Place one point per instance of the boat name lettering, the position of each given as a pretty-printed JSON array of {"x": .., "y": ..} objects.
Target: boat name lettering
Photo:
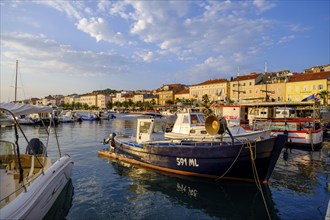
[{"x": 191, "y": 162}]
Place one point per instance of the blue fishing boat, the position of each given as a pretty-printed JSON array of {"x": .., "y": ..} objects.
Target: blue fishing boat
[{"x": 252, "y": 161}]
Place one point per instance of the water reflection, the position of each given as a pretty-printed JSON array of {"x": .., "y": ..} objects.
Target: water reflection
[
  {"x": 300, "y": 170},
  {"x": 216, "y": 199},
  {"x": 63, "y": 203}
]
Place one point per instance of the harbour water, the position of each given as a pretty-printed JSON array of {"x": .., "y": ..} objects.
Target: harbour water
[{"x": 107, "y": 189}]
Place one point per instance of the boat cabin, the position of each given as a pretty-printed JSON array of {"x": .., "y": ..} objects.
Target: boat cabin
[
  {"x": 186, "y": 121},
  {"x": 150, "y": 129}
]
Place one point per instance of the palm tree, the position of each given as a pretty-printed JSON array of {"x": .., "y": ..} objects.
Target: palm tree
[{"x": 324, "y": 94}]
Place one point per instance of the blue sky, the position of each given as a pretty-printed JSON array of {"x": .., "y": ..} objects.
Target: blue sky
[{"x": 66, "y": 47}]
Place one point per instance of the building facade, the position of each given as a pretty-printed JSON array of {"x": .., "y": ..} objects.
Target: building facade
[
  {"x": 301, "y": 86},
  {"x": 215, "y": 89},
  {"x": 242, "y": 88}
]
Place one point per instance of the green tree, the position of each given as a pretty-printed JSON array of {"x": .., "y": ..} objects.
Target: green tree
[
  {"x": 109, "y": 105},
  {"x": 205, "y": 100},
  {"x": 324, "y": 94}
]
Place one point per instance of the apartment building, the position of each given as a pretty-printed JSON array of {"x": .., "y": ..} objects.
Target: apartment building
[
  {"x": 183, "y": 94},
  {"x": 301, "y": 86},
  {"x": 89, "y": 99},
  {"x": 242, "y": 88},
  {"x": 167, "y": 92},
  {"x": 102, "y": 100},
  {"x": 215, "y": 89}
]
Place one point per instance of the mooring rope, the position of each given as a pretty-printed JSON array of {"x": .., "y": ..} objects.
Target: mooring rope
[
  {"x": 255, "y": 174},
  {"x": 232, "y": 164}
]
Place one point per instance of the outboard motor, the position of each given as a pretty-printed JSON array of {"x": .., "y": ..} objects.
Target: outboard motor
[
  {"x": 35, "y": 146},
  {"x": 110, "y": 139}
]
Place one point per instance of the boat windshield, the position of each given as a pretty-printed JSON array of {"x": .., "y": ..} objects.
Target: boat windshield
[
  {"x": 197, "y": 119},
  {"x": 159, "y": 127},
  {"x": 7, "y": 153},
  {"x": 144, "y": 127}
]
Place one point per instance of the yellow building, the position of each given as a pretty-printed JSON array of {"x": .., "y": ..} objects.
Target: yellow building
[
  {"x": 301, "y": 86},
  {"x": 167, "y": 92},
  {"x": 275, "y": 91},
  {"x": 215, "y": 89},
  {"x": 242, "y": 88},
  {"x": 89, "y": 99},
  {"x": 102, "y": 100},
  {"x": 183, "y": 94}
]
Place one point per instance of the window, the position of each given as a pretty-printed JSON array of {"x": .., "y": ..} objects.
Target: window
[
  {"x": 185, "y": 119},
  {"x": 194, "y": 119},
  {"x": 314, "y": 87},
  {"x": 159, "y": 127},
  {"x": 144, "y": 127},
  {"x": 305, "y": 87},
  {"x": 320, "y": 86}
]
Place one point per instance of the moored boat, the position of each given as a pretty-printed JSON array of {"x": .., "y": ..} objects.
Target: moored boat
[
  {"x": 252, "y": 161},
  {"x": 191, "y": 125},
  {"x": 30, "y": 181},
  {"x": 66, "y": 117},
  {"x": 303, "y": 133}
]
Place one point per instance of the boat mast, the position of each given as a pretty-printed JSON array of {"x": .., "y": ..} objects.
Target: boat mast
[
  {"x": 16, "y": 81},
  {"x": 265, "y": 72}
]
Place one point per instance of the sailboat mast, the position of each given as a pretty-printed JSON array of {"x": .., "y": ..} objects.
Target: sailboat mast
[{"x": 16, "y": 81}]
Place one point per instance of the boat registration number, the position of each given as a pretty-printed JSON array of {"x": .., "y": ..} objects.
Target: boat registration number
[{"x": 191, "y": 162}]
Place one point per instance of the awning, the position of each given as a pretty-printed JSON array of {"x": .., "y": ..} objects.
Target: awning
[{"x": 24, "y": 109}]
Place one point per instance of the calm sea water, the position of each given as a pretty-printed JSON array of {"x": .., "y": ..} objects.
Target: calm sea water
[{"x": 106, "y": 189}]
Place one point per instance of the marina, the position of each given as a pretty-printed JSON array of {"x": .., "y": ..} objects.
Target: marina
[{"x": 105, "y": 188}]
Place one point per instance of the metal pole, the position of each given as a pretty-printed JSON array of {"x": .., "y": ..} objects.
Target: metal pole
[{"x": 16, "y": 81}]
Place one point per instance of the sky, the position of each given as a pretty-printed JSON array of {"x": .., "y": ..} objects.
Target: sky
[{"x": 66, "y": 47}]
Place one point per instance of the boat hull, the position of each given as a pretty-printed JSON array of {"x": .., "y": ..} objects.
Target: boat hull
[
  {"x": 205, "y": 159},
  {"x": 41, "y": 194},
  {"x": 303, "y": 140}
]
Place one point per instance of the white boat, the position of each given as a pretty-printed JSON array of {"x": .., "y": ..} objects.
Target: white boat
[
  {"x": 191, "y": 125},
  {"x": 66, "y": 117},
  {"x": 303, "y": 133},
  {"x": 106, "y": 115},
  {"x": 25, "y": 120},
  {"x": 167, "y": 112},
  {"x": 5, "y": 120},
  {"x": 30, "y": 181}
]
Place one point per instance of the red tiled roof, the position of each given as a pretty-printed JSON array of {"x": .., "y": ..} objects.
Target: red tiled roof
[
  {"x": 247, "y": 77},
  {"x": 309, "y": 76},
  {"x": 184, "y": 91},
  {"x": 212, "y": 81}
]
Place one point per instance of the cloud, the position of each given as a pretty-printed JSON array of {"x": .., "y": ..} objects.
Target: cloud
[
  {"x": 72, "y": 9},
  {"x": 47, "y": 56},
  {"x": 299, "y": 28},
  {"x": 286, "y": 39},
  {"x": 99, "y": 29},
  {"x": 263, "y": 5}
]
